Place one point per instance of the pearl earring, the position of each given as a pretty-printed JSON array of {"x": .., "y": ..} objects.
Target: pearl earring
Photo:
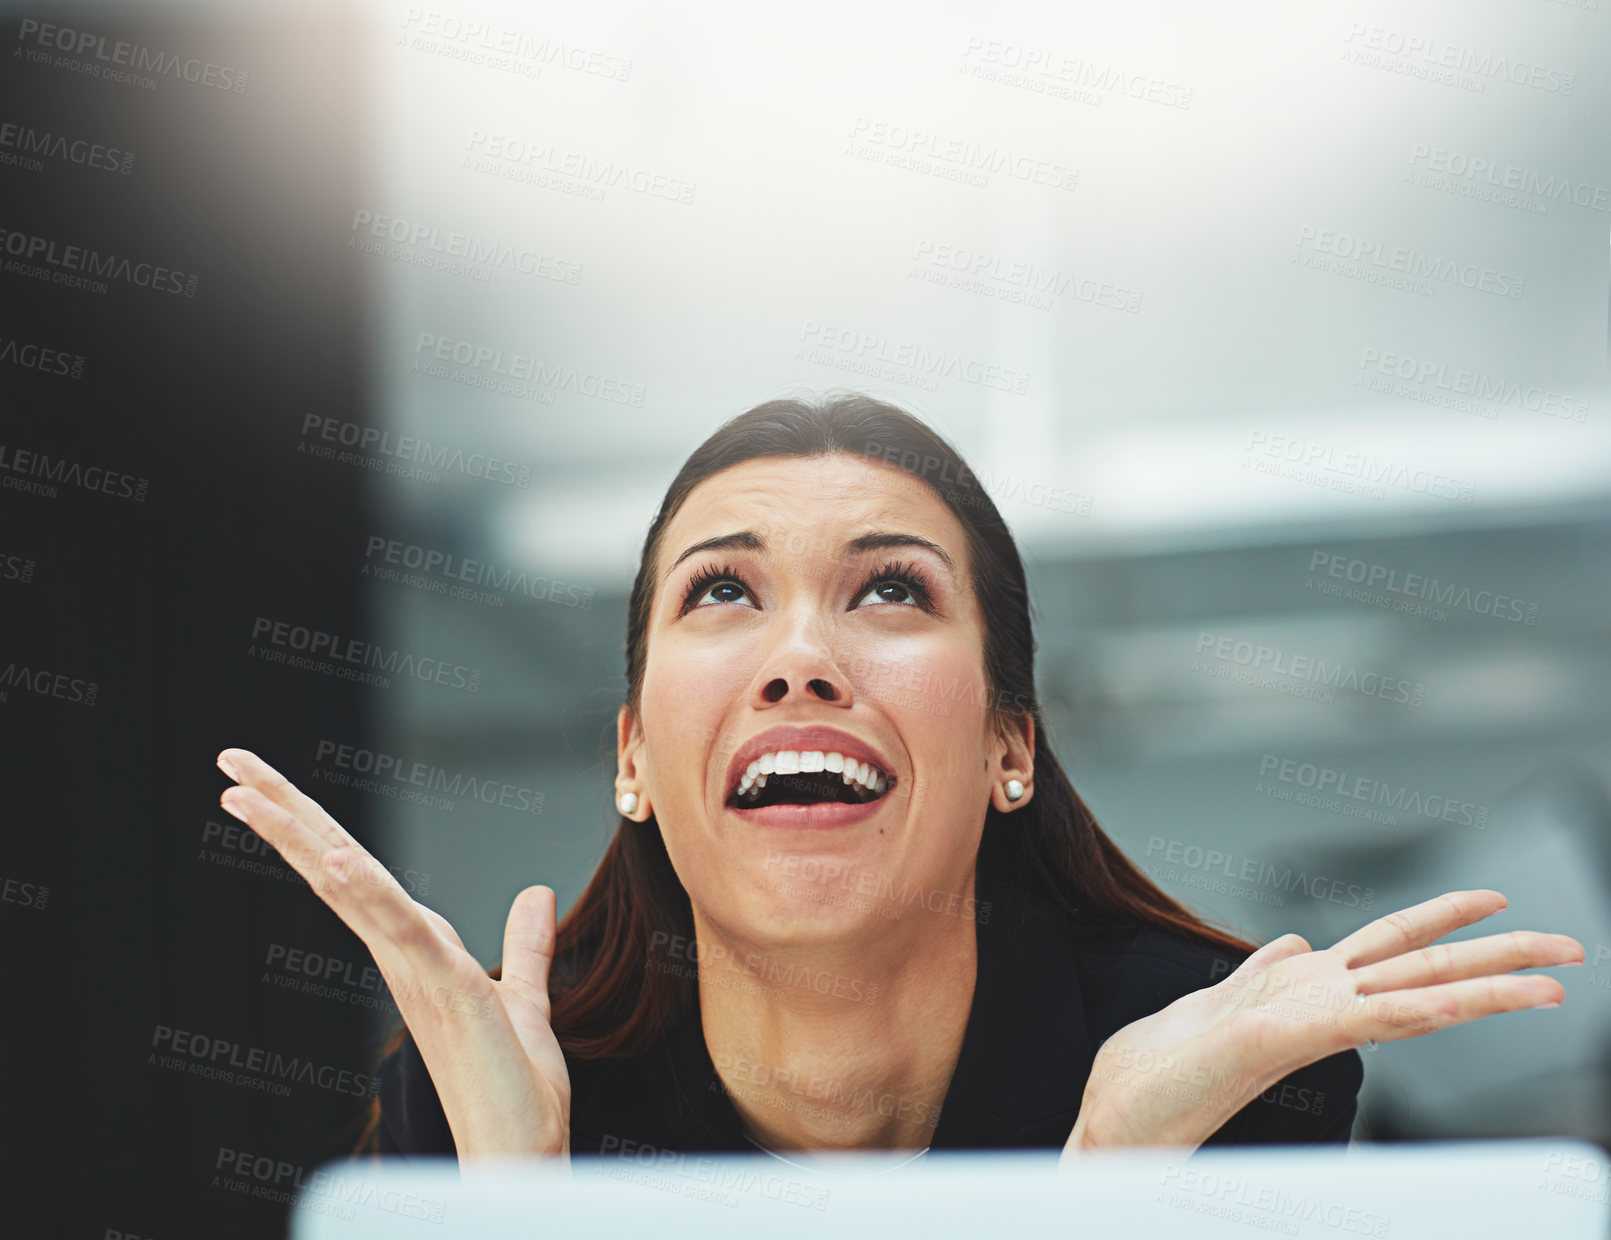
[
  {"x": 1015, "y": 790},
  {"x": 629, "y": 803}
]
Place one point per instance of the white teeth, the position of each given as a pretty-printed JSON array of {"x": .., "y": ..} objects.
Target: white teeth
[{"x": 809, "y": 761}]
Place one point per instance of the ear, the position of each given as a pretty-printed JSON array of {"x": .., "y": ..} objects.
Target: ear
[
  {"x": 630, "y": 775},
  {"x": 1013, "y": 757}
]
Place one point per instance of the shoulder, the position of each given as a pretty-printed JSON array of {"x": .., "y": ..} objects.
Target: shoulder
[
  {"x": 1130, "y": 972},
  {"x": 1134, "y": 970}
]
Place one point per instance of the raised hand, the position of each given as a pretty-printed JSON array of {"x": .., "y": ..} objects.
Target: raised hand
[
  {"x": 487, "y": 1043},
  {"x": 1176, "y": 1076}
]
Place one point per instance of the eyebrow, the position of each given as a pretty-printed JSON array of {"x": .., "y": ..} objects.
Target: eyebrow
[{"x": 748, "y": 540}]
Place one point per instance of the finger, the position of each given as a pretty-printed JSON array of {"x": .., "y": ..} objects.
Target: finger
[
  {"x": 1398, "y": 1014},
  {"x": 356, "y": 887},
  {"x": 250, "y": 771},
  {"x": 1272, "y": 953},
  {"x": 1417, "y": 926},
  {"x": 423, "y": 962},
  {"x": 528, "y": 945},
  {"x": 1448, "y": 962},
  {"x": 443, "y": 926},
  {"x": 247, "y": 769}
]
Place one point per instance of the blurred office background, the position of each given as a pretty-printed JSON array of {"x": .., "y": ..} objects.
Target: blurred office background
[
  {"x": 1192, "y": 164},
  {"x": 1279, "y": 333}
]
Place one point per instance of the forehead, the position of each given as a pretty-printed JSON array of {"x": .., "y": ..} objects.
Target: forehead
[{"x": 830, "y": 498}]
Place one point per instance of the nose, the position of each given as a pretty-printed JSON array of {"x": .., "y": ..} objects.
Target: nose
[
  {"x": 801, "y": 669},
  {"x": 777, "y": 689}
]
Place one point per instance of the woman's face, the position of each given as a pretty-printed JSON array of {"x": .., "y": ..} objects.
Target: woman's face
[{"x": 814, "y": 630}]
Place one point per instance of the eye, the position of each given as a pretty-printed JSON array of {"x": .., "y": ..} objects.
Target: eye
[
  {"x": 715, "y": 585},
  {"x": 723, "y": 592},
  {"x": 889, "y": 591},
  {"x": 899, "y": 584}
]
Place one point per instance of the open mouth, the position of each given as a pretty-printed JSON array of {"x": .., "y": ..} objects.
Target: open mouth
[{"x": 791, "y": 777}]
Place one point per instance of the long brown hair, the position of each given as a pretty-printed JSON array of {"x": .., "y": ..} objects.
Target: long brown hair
[{"x": 606, "y": 1001}]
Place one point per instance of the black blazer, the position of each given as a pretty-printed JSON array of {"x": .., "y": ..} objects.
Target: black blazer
[{"x": 1047, "y": 995}]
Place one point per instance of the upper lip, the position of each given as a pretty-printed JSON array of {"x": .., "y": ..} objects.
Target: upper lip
[{"x": 804, "y": 739}]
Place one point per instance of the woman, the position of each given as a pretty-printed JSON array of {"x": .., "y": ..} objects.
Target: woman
[{"x": 853, "y": 900}]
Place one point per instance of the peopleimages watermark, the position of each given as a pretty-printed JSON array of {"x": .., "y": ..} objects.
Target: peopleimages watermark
[
  {"x": 234, "y": 846},
  {"x": 368, "y": 770},
  {"x": 1015, "y": 280},
  {"x": 45, "y": 360},
  {"x": 251, "y": 1067},
  {"x": 964, "y": 487},
  {"x": 1413, "y": 594},
  {"x": 1262, "y": 1205},
  {"x": 455, "y": 253},
  {"x": 42, "y": 682},
  {"x": 522, "y": 375},
  {"x": 1151, "y": 1072},
  {"x": 83, "y": 267},
  {"x": 901, "y": 682},
  {"x": 1435, "y": 60},
  {"x": 1325, "y": 787},
  {"x": 702, "y": 1177},
  {"x": 318, "y": 650},
  {"x": 122, "y": 62},
  {"x": 1232, "y": 654},
  {"x": 23, "y": 894},
  {"x": 18, "y": 568},
  {"x": 23, "y": 146},
  {"x": 817, "y": 875},
  {"x": 875, "y": 354},
  {"x": 818, "y": 1096},
  {"x": 324, "y": 1191},
  {"x": 1572, "y": 1174},
  {"x": 1308, "y": 460},
  {"x": 459, "y": 577},
  {"x": 450, "y": 35},
  {"x": 572, "y": 172},
  {"x": 1465, "y": 391},
  {"x": 757, "y": 973},
  {"x": 325, "y": 976},
  {"x": 952, "y": 158},
  {"x": 23, "y": 466},
  {"x": 1487, "y": 179},
  {"x": 1317, "y": 1001},
  {"x": 1215, "y": 870},
  {"x": 413, "y": 458},
  {"x": 1402, "y": 267},
  {"x": 1045, "y": 71}
]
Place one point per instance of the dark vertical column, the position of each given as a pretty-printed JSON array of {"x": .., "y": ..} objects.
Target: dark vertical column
[{"x": 175, "y": 300}]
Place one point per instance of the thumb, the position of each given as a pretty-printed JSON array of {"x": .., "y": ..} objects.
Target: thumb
[{"x": 528, "y": 945}]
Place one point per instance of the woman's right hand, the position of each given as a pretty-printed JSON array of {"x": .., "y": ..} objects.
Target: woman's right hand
[{"x": 486, "y": 1042}]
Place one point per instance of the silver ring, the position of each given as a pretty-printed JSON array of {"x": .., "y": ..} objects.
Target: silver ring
[{"x": 1370, "y": 1043}]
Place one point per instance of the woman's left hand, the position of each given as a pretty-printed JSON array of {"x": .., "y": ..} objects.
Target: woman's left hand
[{"x": 1176, "y": 1076}]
